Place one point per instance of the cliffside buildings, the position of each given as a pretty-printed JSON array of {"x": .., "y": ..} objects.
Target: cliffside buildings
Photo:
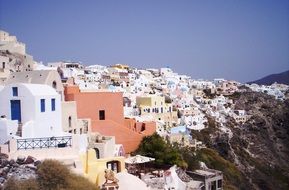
[{"x": 93, "y": 116}]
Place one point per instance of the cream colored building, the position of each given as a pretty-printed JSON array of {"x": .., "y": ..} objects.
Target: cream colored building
[
  {"x": 15, "y": 52},
  {"x": 13, "y": 57},
  {"x": 4, "y": 68},
  {"x": 11, "y": 44},
  {"x": 14, "y": 62},
  {"x": 70, "y": 122}
]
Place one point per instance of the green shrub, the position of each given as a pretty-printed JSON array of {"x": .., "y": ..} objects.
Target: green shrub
[{"x": 53, "y": 175}]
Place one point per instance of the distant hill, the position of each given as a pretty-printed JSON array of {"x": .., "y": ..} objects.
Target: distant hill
[{"x": 282, "y": 78}]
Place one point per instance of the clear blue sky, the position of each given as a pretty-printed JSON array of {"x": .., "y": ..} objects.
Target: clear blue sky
[{"x": 242, "y": 40}]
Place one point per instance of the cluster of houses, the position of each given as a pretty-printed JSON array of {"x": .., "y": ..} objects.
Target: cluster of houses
[
  {"x": 276, "y": 90},
  {"x": 93, "y": 116}
]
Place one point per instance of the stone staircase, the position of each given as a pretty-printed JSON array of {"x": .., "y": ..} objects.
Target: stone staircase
[{"x": 19, "y": 130}]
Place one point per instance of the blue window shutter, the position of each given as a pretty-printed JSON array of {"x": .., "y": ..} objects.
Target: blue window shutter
[
  {"x": 53, "y": 104},
  {"x": 42, "y": 105},
  {"x": 15, "y": 91}
]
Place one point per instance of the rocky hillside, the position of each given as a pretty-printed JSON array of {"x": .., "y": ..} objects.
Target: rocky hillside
[{"x": 260, "y": 147}]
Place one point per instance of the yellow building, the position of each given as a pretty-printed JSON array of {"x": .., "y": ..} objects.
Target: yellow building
[
  {"x": 120, "y": 66},
  {"x": 153, "y": 104},
  {"x": 94, "y": 169},
  {"x": 157, "y": 107}
]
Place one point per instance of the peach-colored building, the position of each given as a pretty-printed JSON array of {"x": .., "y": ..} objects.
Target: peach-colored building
[{"x": 105, "y": 109}]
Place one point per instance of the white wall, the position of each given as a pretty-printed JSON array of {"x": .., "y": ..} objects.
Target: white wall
[
  {"x": 8, "y": 129},
  {"x": 49, "y": 122}
]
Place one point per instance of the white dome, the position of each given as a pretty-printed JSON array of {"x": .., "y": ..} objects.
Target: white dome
[{"x": 130, "y": 182}]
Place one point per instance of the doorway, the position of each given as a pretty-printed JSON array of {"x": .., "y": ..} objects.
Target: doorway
[{"x": 15, "y": 110}]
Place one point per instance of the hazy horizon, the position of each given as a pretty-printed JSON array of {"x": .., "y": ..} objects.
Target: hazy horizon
[{"x": 239, "y": 40}]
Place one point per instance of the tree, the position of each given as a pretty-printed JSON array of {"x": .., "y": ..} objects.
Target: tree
[{"x": 164, "y": 154}]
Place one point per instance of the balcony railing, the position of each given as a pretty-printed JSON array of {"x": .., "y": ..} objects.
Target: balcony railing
[{"x": 48, "y": 142}]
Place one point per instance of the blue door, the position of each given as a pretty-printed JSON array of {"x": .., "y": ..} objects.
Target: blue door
[{"x": 15, "y": 110}]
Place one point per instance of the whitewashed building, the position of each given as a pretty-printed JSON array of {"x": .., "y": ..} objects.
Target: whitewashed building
[{"x": 36, "y": 108}]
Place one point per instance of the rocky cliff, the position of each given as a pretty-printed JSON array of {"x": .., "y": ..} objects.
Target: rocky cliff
[{"x": 259, "y": 147}]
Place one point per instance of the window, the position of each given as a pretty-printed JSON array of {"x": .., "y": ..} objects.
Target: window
[
  {"x": 53, "y": 104},
  {"x": 15, "y": 91},
  {"x": 114, "y": 166},
  {"x": 80, "y": 130},
  {"x": 101, "y": 115},
  {"x": 213, "y": 185},
  {"x": 96, "y": 153},
  {"x": 220, "y": 183},
  {"x": 54, "y": 84},
  {"x": 85, "y": 129},
  {"x": 3, "y": 65},
  {"x": 143, "y": 127},
  {"x": 74, "y": 131},
  {"x": 69, "y": 121},
  {"x": 42, "y": 105}
]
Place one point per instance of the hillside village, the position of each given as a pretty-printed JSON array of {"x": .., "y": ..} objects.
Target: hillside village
[{"x": 93, "y": 118}]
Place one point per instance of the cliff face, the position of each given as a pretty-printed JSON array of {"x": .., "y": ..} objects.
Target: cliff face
[{"x": 260, "y": 147}]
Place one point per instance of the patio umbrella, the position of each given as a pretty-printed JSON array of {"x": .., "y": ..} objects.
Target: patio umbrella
[{"x": 138, "y": 159}]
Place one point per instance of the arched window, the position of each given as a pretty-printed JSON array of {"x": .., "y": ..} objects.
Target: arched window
[
  {"x": 69, "y": 121},
  {"x": 54, "y": 84}
]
